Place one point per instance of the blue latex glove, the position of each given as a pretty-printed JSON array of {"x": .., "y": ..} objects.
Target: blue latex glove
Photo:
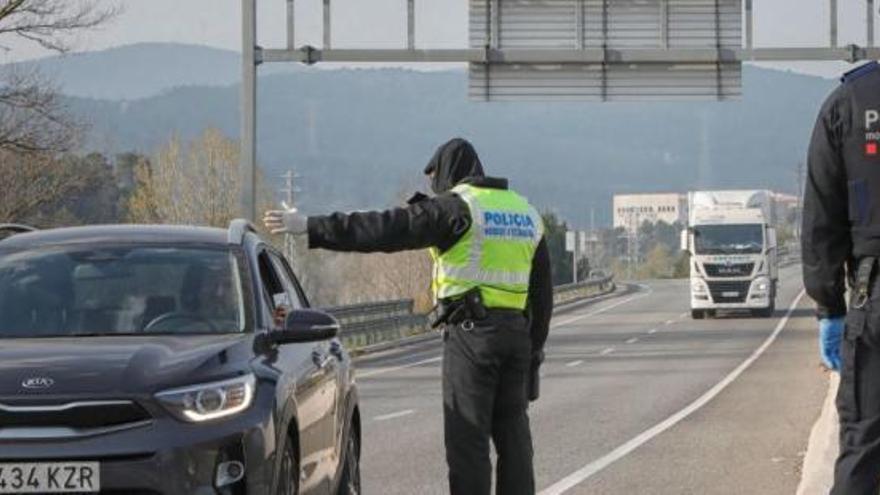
[{"x": 830, "y": 335}]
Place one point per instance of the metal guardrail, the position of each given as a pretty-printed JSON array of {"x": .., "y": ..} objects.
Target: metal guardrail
[
  {"x": 371, "y": 323},
  {"x": 355, "y": 313},
  {"x": 570, "y": 292}
]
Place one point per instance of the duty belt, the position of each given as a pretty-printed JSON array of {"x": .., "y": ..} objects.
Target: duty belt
[
  {"x": 863, "y": 281},
  {"x": 463, "y": 310},
  {"x": 466, "y": 310}
]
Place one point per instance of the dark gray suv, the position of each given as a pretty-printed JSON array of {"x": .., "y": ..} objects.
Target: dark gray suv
[{"x": 168, "y": 360}]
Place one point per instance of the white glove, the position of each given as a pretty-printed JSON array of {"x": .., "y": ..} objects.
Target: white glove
[{"x": 288, "y": 220}]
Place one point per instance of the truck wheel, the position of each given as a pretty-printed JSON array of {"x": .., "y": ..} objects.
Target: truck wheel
[
  {"x": 768, "y": 311},
  {"x": 698, "y": 314}
]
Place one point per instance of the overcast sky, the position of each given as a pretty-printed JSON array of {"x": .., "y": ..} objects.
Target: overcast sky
[{"x": 381, "y": 23}]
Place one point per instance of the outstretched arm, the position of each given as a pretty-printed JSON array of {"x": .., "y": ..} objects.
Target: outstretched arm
[{"x": 434, "y": 222}]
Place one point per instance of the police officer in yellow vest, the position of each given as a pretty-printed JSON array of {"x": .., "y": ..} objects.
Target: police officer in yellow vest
[{"x": 493, "y": 287}]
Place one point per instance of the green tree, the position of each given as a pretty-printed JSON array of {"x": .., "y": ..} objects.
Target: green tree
[
  {"x": 560, "y": 259},
  {"x": 97, "y": 201}
]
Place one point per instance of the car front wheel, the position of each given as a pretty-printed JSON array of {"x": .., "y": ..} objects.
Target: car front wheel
[
  {"x": 350, "y": 483},
  {"x": 288, "y": 478}
]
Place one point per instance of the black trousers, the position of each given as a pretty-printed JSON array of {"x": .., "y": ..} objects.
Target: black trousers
[
  {"x": 485, "y": 372},
  {"x": 857, "y": 470}
]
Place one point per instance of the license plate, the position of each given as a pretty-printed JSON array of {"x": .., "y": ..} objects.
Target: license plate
[
  {"x": 730, "y": 294},
  {"x": 50, "y": 477}
]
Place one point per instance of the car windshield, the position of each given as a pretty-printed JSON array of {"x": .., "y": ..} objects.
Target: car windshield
[
  {"x": 729, "y": 239},
  {"x": 88, "y": 291}
]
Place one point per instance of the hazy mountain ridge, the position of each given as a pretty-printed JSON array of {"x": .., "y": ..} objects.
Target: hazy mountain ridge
[
  {"x": 358, "y": 136},
  {"x": 142, "y": 70}
]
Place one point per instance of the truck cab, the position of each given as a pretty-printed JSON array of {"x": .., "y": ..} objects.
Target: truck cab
[{"x": 732, "y": 243}]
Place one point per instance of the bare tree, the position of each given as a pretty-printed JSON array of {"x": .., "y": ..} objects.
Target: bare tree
[
  {"x": 32, "y": 116},
  {"x": 332, "y": 278},
  {"x": 50, "y": 23},
  {"x": 194, "y": 183},
  {"x": 376, "y": 277}
]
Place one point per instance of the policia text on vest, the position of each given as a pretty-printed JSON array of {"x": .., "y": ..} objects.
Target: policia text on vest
[{"x": 493, "y": 289}]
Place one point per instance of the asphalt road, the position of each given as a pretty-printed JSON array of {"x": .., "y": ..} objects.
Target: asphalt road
[{"x": 636, "y": 398}]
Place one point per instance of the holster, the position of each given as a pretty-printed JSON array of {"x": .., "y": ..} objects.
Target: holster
[
  {"x": 534, "y": 384},
  {"x": 467, "y": 307}
]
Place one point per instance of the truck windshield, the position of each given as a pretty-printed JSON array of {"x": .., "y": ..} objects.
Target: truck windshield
[
  {"x": 729, "y": 239},
  {"x": 88, "y": 291}
]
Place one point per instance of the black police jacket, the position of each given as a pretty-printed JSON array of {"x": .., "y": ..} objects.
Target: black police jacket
[
  {"x": 439, "y": 222},
  {"x": 841, "y": 218}
]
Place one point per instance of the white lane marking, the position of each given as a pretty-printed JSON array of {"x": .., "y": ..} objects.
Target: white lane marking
[
  {"x": 622, "y": 451},
  {"x": 394, "y": 415},
  {"x": 575, "y": 363},
  {"x": 652, "y": 331},
  {"x": 669, "y": 322},
  {"x": 683, "y": 315},
  {"x": 607, "y": 351},
  {"x": 604, "y": 309},
  {"x": 632, "y": 340},
  {"x": 381, "y": 371}
]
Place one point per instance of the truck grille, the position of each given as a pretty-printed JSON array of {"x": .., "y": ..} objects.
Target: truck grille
[
  {"x": 723, "y": 292},
  {"x": 734, "y": 270},
  {"x": 85, "y": 415}
]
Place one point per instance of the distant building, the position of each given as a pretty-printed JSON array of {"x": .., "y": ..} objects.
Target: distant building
[{"x": 632, "y": 210}]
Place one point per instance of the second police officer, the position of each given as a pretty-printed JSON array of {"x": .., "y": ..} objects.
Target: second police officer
[
  {"x": 841, "y": 242},
  {"x": 493, "y": 287}
]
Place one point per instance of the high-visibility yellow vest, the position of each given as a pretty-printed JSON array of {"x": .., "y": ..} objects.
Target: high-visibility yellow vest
[{"x": 496, "y": 252}]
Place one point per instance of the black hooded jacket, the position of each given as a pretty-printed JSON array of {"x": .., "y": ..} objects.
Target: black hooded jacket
[{"x": 438, "y": 221}]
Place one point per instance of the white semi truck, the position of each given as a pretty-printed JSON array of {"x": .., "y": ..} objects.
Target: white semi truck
[{"x": 731, "y": 238}]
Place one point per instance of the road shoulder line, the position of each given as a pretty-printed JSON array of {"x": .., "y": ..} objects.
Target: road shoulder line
[{"x": 817, "y": 472}]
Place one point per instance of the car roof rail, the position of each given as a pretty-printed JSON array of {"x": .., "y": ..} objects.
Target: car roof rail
[
  {"x": 239, "y": 228},
  {"x": 10, "y": 229}
]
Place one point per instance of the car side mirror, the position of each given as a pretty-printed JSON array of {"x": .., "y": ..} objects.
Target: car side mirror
[{"x": 306, "y": 325}]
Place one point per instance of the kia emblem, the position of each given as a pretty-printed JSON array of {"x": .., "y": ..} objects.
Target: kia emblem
[{"x": 37, "y": 382}]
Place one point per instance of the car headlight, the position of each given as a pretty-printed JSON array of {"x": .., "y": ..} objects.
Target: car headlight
[{"x": 210, "y": 401}]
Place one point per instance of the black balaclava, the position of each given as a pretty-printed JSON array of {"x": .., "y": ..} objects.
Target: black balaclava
[{"x": 453, "y": 162}]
